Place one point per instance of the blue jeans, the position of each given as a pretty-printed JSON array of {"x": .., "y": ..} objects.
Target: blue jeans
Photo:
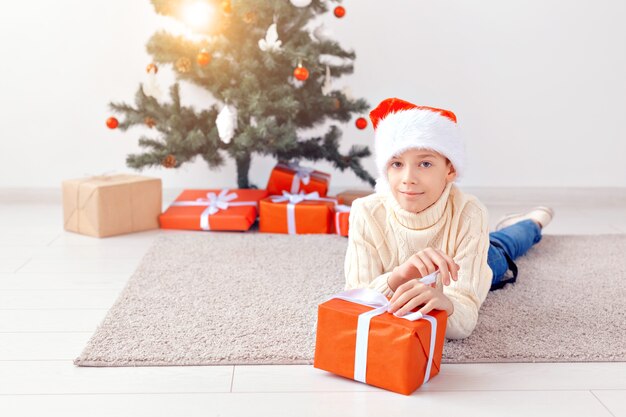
[{"x": 508, "y": 244}]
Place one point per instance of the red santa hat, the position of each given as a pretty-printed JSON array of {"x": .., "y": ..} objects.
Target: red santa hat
[{"x": 400, "y": 125}]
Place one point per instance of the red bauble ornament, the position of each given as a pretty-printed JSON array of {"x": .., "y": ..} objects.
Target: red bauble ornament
[
  {"x": 112, "y": 123},
  {"x": 361, "y": 123},
  {"x": 301, "y": 73},
  {"x": 203, "y": 58},
  {"x": 169, "y": 161},
  {"x": 340, "y": 11}
]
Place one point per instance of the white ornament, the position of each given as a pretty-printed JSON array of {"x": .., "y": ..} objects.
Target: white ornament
[
  {"x": 300, "y": 3},
  {"x": 151, "y": 87},
  {"x": 271, "y": 42},
  {"x": 226, "y": 123},
  {"x": 327, "y": 87},
  {"x": 295, "y": 82},
  {"x": 321, "y": 33},
  {"x": 348, "y": 93},
  {"x": 253, "y": 121}
]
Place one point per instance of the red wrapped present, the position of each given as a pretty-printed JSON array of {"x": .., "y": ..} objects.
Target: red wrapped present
[
  {"x": 341, "y": 219},
  {"x": 296, "y": 213},
  {"x": 357, "y": 339},
  {"x": 213, "y": 210},
  {"x": 294, "y": 178}
]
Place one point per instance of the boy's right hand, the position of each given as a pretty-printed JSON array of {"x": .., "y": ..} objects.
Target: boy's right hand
[{"x": 426, "y": 262}]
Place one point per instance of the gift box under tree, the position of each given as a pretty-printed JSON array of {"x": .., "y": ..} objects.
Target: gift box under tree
[
  {"x": 296, "y": 214},
  {"x": 341, "y": 219},
  {"x": 234, "y": 210},
  {"x": 109, "y": 205},
  {"x": 294, "y": 178}
]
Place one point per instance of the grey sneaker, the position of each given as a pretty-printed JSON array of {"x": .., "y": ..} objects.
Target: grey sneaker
[{"x": 541, "y": 214}]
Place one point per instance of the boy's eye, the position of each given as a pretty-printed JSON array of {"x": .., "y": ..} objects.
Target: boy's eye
[
  {"x": 396, "y": 164},
  {"x": 429, "y": 164}
]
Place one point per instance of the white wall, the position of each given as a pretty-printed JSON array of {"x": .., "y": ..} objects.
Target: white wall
[{"x": 538, "y": 86}]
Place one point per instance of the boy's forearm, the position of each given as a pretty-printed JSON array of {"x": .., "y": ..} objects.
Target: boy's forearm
[{"x": 395, "y": 280}]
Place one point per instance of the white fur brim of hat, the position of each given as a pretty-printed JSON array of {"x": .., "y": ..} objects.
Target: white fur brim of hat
[{"x": 416, "y": 129}]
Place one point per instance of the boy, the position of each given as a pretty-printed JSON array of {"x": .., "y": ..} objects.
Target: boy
[{"x": 418, "y": 221}]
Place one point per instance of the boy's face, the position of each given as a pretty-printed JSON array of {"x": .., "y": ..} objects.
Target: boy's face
[{"x": 417, "y": 178}]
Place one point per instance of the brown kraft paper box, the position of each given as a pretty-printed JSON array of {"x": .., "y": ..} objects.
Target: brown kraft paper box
[
  {"x": 104, "y": 206},
  {"x": 348, "y": 196}
]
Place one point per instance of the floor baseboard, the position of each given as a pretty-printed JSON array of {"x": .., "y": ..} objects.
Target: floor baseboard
[{"x": 606, "y": 196}]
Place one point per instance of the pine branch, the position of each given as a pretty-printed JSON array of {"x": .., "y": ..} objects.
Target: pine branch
[{"x": 257, "y": 83}]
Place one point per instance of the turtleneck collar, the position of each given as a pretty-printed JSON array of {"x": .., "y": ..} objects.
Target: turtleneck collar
[{"x": 423, "y": 219}]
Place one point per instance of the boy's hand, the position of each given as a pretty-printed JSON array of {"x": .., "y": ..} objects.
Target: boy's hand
[
  {"x": 413, "y": 293},
  {"x": 426, "y": 262}
]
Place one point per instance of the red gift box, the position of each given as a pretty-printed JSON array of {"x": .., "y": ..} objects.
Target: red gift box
[
  {"x": 358, "y": 339},
  {"x": 296, "y": 214},
  {"x": 213, "y": 210},
  {"x": 341, "y": 219},
  {"x": 294, "y": 178}
]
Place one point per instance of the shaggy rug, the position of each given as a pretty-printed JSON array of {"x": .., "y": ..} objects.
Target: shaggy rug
[{"x": 220, "y": 298}]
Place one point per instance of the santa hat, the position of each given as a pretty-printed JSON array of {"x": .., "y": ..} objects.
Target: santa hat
[{"x": 400, "y": 125}]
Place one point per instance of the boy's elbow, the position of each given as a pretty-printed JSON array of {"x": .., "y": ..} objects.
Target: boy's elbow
[
  {"x": 458, "y": 333},
  {"x": 461, "y": 324}
]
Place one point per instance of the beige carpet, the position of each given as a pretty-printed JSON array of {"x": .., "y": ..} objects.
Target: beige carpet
[{"x": 249, "y": 298}]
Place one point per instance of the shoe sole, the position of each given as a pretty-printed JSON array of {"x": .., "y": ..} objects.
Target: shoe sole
[{"x": 510, "y": 216}]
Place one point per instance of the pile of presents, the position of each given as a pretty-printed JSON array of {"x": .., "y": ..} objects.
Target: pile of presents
[
  {"x": 356, "y": 337},
  {"x": 295, "y": 201}
]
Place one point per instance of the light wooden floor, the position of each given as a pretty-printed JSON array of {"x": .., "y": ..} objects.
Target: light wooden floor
[{"x": 55, "y": 287}]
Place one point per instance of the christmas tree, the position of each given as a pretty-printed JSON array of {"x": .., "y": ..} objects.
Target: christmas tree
[{"x": 271, "y": 77}]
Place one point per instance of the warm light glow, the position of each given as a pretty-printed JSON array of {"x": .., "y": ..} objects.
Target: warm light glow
[{"x": 198, "y": 14}]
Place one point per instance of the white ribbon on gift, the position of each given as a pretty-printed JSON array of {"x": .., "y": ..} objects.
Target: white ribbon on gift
[
  {"x": 292, "y": 200},
  {"x": 372, "y": 298},
  {"x": 340, "y": 208},
  {"x": 214, "y": 203},
  {"x": 302, "y": 175}
]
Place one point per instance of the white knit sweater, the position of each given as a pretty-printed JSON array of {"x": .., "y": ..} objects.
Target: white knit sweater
[{"x": 383, "y": 235}]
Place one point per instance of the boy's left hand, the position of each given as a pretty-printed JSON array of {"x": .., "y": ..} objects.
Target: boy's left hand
[{"x": 413, "y": 293}]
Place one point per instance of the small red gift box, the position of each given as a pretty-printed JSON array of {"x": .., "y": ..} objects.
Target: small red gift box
[
  {"x": 296, "y": 214},
  {"x": 294, "y": 178},
  {"x": 213, "y": 210},
  {"x": 341, "y": 219}
]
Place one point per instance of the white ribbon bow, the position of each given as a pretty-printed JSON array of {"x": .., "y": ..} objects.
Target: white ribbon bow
[
  {"x": 218, "y": 202},
  {"x": 372, "y": 298},
  {"x": 292, "y": 200},
  {"x": 214, "y": 203},
  {"x": 302, "y": 175}
]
